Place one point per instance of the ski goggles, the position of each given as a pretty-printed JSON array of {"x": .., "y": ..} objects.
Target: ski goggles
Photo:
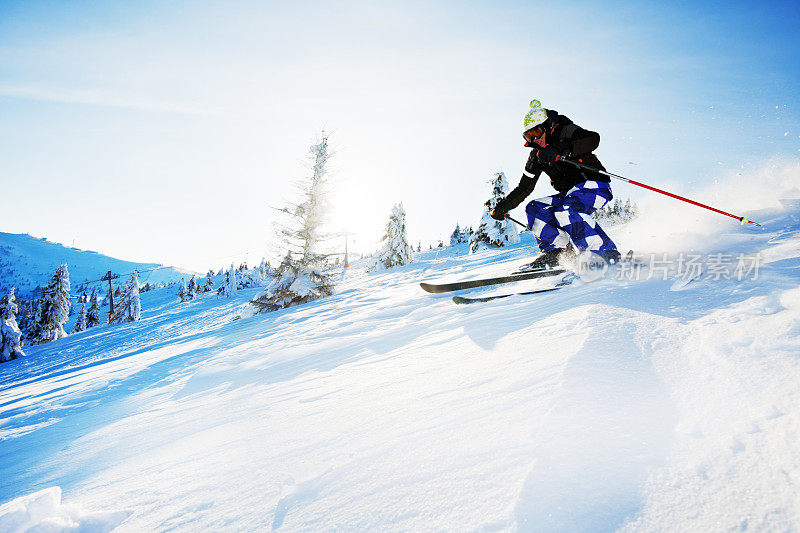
[{"x": 533, "y": 134}]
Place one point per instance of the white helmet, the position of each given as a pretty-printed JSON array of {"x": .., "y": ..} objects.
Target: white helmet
[{"x": 536, "y": 116}]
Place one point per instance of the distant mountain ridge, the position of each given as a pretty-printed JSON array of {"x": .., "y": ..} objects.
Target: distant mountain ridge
[{"x": 27, "y": 262}]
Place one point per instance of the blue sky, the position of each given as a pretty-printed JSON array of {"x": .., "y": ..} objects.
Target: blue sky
[{"x": 165, "y": 131}]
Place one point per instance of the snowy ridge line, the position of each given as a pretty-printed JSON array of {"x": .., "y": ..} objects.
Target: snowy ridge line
[{"x": 29, "y": 263}]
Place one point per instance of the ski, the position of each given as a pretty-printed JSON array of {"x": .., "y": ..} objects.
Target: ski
[
  {"x": 474, "y": 283},
  {"x": 466, "y": 300},
  {"x": 565, "y": 282}
]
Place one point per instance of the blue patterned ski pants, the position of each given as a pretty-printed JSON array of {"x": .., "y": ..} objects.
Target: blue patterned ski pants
[{"x": 556, "y": 220}]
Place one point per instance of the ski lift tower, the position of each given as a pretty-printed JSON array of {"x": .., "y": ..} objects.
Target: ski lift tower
[{"x": 108, "y": 277}]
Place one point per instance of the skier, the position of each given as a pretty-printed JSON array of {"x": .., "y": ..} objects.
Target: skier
[{"x": 563, "y": 220}]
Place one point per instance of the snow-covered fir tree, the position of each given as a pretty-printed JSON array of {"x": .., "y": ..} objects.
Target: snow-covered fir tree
[
  {"x": 32, "y": 331},
  {"x": 229, "y": 286},
  {"x": 191, "y": 289},
  {"x": 209, "y": 284},
  {"x": 302, "y": 276},
  {"x": 458, "y": 236},
  {"x": 182, "y": 291},
  {"x": 10, "y": 335},
  {"x": 55, "y": 306},
  {"x": 493, "y": 233},
  {"x": 252, "y": 277},
  {"x": 25, "y": 310},
  {"x": 80, "y": 322},
  {"x": 396, "y": 249},
  {"x": 93, "y": 315},
  {"x": 129, "y": 308},
  {"x": 263, "y": 268}
]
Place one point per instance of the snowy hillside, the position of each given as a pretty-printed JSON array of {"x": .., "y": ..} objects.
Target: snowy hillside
[
  {"x": 644, "y": 401},
  {"x": 27, "y": 262}
]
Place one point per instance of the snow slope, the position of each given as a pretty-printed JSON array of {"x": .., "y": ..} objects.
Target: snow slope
[
  {"x": 634, "y": 405},
  {"x": 27, "y": 262}
]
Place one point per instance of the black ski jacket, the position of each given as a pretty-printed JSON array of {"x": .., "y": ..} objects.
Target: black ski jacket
[{"x": 571, "y": 141}]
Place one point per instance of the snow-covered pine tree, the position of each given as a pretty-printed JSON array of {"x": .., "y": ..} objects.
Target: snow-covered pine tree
[
  {"x": 10, "y": 335},
  {"x": 302, "y": 276},
  {"x": 93, "y": 315},
  {"x": 182, "y": 291},
  {"x": 191, "y": 290},
  {"x": 80, "y": 323},
  {"x": 493, "y": 233},
  {"x": 253, "y": 277},
  {"x": 229, "y": 286},
  {"x": 263, "y": 268},
  {"x": 129, "y": 308},
  {"x": 209, "y": 282},
  {"x": 24, "y": 314},
  {"x": 55, "y": 306},
  {"x": 32, "y": 330},
  {"x": 457, "y": 237},
  {"x": 396, "y": 249}
]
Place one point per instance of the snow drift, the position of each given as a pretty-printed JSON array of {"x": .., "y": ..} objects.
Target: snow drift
[{"x": 43, "y": 511}]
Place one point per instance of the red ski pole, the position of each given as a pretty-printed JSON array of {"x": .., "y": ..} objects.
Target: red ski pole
[{"x": 609, "y": 174}]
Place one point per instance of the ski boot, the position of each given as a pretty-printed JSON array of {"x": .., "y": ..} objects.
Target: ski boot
[
  {"x": 550, "y": 260},
  {"x": 612, "y": 257}
]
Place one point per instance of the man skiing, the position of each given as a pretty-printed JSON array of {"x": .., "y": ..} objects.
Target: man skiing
[{"x": 563, "y": 220}]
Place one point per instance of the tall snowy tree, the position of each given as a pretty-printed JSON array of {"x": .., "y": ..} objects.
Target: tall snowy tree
[
  {"x": 191, "y": 290},
  {"x": 10, "y": 335},
  {"x": 80, "y": 323},
  {"x": 396, "y": 249},
  {"x": 302, "y": 276},
  {"x": 93, "y": 316},
  {"x": 129, "y": 308},
  {"x": 182, "y": 291},
  {"x": 263, "y": 268},
  {"x": 457, "y": 237},
  {"x": 55, "y": 306},
  {"x": 493, "y": 233},
  {"x": 209, "y": 282},
  {"x": 32, "y": 331},
  {"x": 229, "y": 286}
]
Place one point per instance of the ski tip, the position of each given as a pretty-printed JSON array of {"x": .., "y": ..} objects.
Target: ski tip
[{"x": 427, "y": 287}]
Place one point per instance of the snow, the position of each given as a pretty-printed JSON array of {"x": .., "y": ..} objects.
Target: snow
[
  {"x": 43, "y": 512},
  {"x": 613, "y": 405}
]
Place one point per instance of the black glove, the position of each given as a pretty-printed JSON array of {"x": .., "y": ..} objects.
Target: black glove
[
  {"x": 548, "y": 155},
  {"x": 499, "y": 212}
]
